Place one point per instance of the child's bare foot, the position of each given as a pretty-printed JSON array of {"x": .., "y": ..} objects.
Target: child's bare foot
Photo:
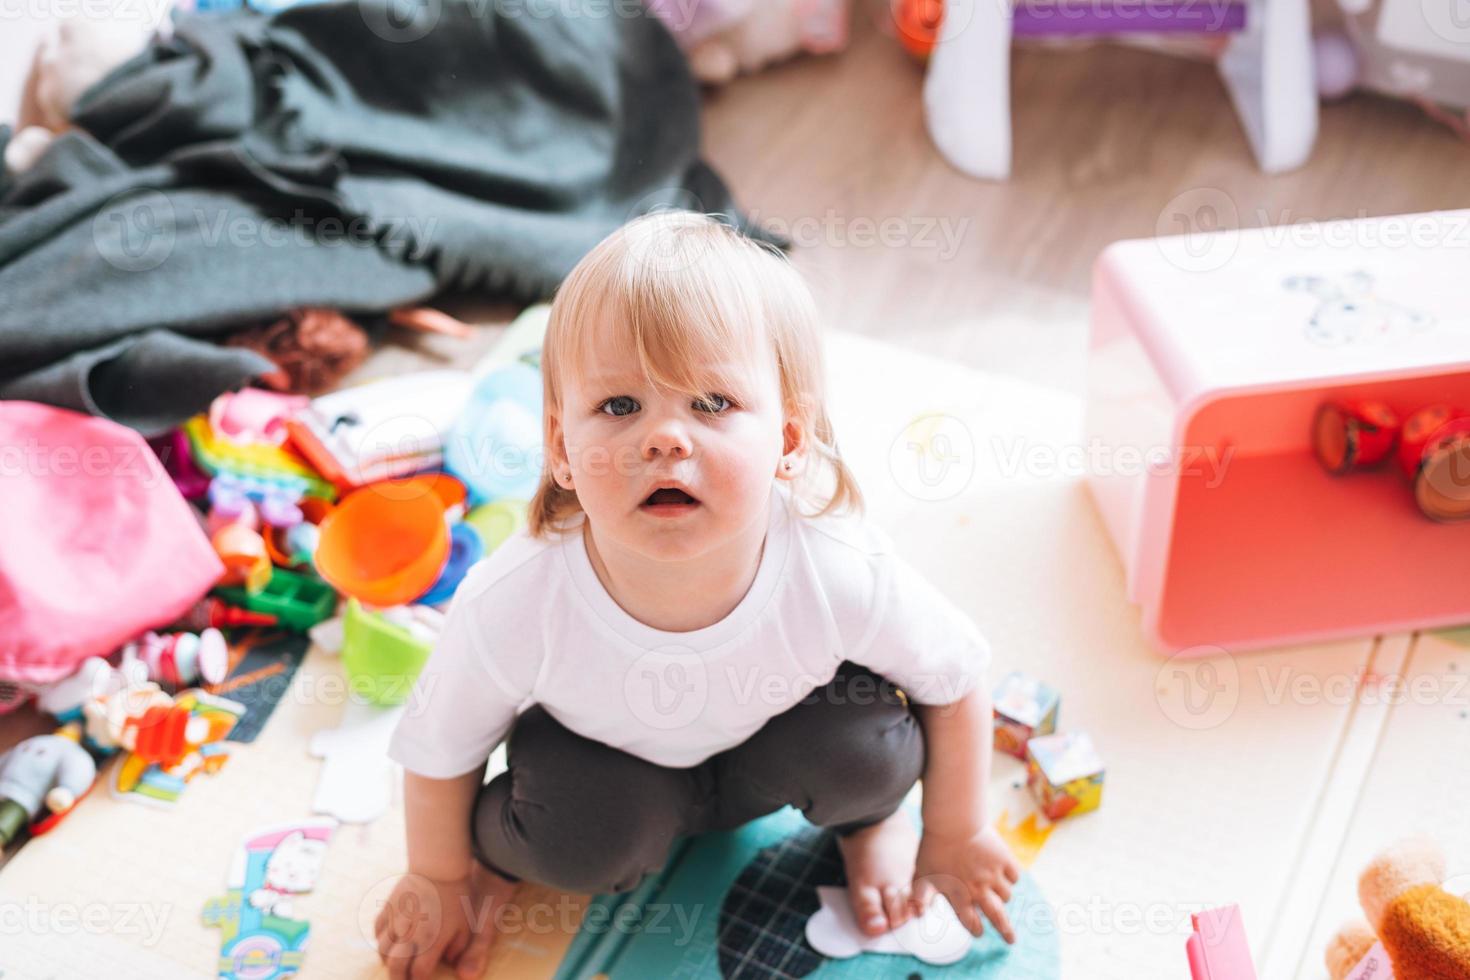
[{"x": 880, "y": 873}]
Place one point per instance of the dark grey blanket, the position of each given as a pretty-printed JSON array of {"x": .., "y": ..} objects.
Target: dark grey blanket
[{"x": 358, "y": 154}]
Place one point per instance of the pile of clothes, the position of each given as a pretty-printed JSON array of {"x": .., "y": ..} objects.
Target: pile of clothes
[{"x": 356, "y": 156}]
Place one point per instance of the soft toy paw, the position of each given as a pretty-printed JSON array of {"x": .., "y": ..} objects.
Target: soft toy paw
[
  {"x": 72, "y": 57},
  {"x": 1424, "y": 929}
]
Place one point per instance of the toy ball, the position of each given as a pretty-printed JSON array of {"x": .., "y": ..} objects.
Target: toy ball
[
  {"x": 1336, "y": 62},
  {"x": 385, "y": 543},
  {"x": 495, "y": 446}
]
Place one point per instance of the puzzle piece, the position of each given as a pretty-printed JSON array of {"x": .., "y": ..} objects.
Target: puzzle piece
[
  {"x": 935, "y": 937},
  {"x": 356, "y": 782},
  {"x": 260, "y": 939}
]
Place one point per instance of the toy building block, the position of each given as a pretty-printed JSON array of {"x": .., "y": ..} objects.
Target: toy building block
[
  {"x": 1025, "y": 708},
  {"x": 297, "y": 601},
  {"x": 1065, "y": 774}
]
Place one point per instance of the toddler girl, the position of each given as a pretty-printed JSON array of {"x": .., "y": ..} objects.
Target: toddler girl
[{"x": 694, "y": 629}]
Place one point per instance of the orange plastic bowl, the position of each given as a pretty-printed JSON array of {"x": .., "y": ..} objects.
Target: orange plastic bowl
[{"x": 385, "y": 543}]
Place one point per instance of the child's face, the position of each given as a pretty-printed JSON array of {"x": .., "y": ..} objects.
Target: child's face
[{"x": 621, "y": 440}]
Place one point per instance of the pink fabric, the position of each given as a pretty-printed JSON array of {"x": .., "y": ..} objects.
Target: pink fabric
[{"x": 96, "y": 544}]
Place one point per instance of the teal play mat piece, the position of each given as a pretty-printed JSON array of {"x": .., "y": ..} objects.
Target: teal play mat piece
[{"x": 734, "y": 905}]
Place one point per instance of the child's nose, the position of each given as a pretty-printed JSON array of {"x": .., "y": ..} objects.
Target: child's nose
[{"x": 668, "y": 436}]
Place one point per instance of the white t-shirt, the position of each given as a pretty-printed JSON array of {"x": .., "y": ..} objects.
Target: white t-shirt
[{"x": 532, "y": 624}]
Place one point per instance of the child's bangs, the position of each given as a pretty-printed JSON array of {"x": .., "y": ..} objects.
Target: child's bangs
[{"x": 689, "y": 330}]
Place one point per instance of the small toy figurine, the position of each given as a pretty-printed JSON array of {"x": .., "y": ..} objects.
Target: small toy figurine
[{"x": 46, "y": 769}]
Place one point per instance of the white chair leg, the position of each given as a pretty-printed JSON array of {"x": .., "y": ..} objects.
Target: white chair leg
[
  {"x": 967, "y": 91},
  {"x": 1267, "y": 69}
]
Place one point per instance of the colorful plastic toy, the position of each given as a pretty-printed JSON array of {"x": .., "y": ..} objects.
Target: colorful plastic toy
[
  {"x": 385, "y": 543},
  {"x": 495, "y": 447},
  {"x": 254, "y": 415},
  {"x": 1217, "y": 947},
  {"x": 259, "y": 937},
  {"x": 295, "y": 547},
  {"x": 212, "y": 612},
  {"x": 244, "y": 556},
  {"x": 1065, "y": 774},
  {"x": 383, "y": 657},
  {"x": 276, "y": 498},
  {"x": 178, "y": 660},
  {"x": 214, "y": 455},
  {"x": 44, "y": 772},
  {"x": 465, "y": 548},
  {"x": 497, "y": 521},
  {"x": 297, "y": 601},
  {"x": 1024, "y": 709}
]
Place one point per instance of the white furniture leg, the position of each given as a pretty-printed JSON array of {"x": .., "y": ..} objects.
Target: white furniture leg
[
  {"x": 1267, "y": 69},
  {"x": 967, "y": 91}
]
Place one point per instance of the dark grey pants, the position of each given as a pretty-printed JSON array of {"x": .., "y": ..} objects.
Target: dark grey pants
[{"x": 581, "y": 816}]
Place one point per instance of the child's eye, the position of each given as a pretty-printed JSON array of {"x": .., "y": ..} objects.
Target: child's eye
[
  {"x": 714, "y": 404},
  {"x": 618, "y": 405}
]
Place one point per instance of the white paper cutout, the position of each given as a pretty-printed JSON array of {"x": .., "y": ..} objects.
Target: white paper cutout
[
  {"x": 356, "y": 784},
  {"x": 936, "y": 937}
]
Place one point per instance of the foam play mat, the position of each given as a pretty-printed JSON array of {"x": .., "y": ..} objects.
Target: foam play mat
[{"x": 1257, "y": 780}]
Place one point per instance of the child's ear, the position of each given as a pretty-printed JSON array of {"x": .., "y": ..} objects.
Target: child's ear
[
  {"x": 556, "y": 452},
  {"x": 794, "y": 445}
]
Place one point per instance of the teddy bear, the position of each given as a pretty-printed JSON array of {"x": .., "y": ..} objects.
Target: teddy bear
[
  {"x": 72, "y": 56},
  {"x": 1424, "y": 929},
  {"x": 725, "y": 38}
]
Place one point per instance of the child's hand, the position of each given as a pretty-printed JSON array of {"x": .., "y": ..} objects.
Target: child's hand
[
  {"x": 976, "y": 871},
  {"x": 426, "y": 921}
]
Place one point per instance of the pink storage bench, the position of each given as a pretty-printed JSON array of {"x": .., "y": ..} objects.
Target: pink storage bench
[{"x": 1209, "y": 355}]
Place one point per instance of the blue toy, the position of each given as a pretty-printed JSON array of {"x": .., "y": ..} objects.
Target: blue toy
[
  {"x": 495, "y": 445},
  {"x": 465, "y": 548}
]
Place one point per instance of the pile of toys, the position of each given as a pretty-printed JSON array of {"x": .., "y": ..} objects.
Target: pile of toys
[
  {"x": 1063, "y": 770},
  {"x": 1431, "y": 447},
  {"x": 382, "y": 495}
]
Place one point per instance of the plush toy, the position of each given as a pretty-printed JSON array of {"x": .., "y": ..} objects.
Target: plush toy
[
  {"x": 725, "y": 38},
  {"x": 1424, "y": 929},
  {"x": 50, "y": 771},
  {"x": 73, "y": 56}
]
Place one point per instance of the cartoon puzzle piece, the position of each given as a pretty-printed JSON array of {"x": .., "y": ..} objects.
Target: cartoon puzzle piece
[
  {"x": 356, "y": 783},
  {"x": 188, "y": 739},
  {"x": 260, "y": 939},
  {"x": 936, "y": 937}
]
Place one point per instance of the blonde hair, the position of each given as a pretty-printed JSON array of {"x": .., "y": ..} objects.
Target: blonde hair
[{"x": 684, "y": 291}]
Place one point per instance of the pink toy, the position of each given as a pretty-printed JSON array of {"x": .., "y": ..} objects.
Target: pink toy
[
  {"x": 725, "y": 38},
  {"x": 178, "y": 660},
  {"x": 254, "y": 415},
  {"x": 98, "y": 545},
  {"x": 1218, "y": 949},
  {"x": 1210, "y": 355}
]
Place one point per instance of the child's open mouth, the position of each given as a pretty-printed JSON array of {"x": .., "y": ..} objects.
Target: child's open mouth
[{"x": 669, "y": 502}]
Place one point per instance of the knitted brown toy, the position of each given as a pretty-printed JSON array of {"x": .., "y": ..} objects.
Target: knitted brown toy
[{"x": 1424, "y": 929}]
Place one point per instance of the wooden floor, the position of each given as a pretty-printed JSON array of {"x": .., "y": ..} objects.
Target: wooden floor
[{"x": 1104, "y": 139}]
